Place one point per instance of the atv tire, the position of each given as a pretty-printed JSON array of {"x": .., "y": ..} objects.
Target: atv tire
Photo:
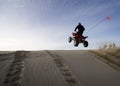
[
  {"x": 76, "y": 42},
  {"x": 69, "y": 39},
  {"x": 85, "y": 43}
]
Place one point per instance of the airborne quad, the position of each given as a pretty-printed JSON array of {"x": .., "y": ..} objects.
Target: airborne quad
[{"x": 78, "y": 39}]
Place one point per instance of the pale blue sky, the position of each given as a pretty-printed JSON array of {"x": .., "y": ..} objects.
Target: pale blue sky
[{"x": 46, "y": 24}]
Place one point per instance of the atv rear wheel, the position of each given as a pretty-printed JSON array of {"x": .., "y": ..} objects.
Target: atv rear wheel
[
  {"x": 85, "y": 43},
  {"x": 69, "y": 39},
  {"x": 76, "y": 42}
]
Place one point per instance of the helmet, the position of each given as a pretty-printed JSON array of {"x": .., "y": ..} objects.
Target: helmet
[{"x": 79, "y": 23}]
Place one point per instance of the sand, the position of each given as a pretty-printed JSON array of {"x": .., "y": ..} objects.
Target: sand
[
  {"x": 5, "y": 62},
  {"x": 89, "y": 69},
  {"x": 55, "y": 68},
  {"x": 41, "y": 70}
]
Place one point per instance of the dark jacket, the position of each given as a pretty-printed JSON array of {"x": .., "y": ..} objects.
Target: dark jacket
[{"x": 80, "y": 29}]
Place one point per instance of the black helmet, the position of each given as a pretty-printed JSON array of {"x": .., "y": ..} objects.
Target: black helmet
[{"x": 79, "y": 23}]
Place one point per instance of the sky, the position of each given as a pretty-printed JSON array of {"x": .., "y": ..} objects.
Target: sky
[{"x": 47, "y": 24}]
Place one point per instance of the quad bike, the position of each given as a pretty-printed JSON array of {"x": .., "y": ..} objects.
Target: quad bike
[{"x": 78, "y": 39}]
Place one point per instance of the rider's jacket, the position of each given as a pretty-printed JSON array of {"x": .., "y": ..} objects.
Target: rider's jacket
[{"x": 80, "y": 29}]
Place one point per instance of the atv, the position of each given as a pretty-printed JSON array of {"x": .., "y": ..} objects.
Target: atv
[{"x": 78, "y": 39}]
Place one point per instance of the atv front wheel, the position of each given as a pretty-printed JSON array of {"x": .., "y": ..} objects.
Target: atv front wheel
[
  {"x": 69, "y": 39},
  {"x": 76, "y": 42},
  {"x": 85, "y": 43}
]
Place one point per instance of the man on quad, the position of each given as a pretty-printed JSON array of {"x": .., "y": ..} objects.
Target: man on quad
[
  {"x": 78, "y": 37},
  {"x": 80, "y": 29}
]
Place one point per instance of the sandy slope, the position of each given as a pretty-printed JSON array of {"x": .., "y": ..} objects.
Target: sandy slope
[
  {"x": 90, "y": 70},
  {"x": 40, "y": 70},
  {"x": 56, "y": 68},
  {"x": 5, "y": 61}
]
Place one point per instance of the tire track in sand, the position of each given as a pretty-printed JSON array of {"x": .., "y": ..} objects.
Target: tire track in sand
[
  {"x": 65, "y": 71},
  {"x": 40, "y": 70},
  {"x": 14, "y": 76}
]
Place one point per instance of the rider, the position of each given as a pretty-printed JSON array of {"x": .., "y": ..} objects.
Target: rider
[{"x": 80, "y": 29}]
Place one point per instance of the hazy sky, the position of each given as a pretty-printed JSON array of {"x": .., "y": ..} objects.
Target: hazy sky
[{"x": 47, "y": 24}]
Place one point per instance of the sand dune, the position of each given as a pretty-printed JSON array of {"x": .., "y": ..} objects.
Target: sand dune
[
  {"x": 55, "y": 68},
  {"x": 40, "y": 69}
]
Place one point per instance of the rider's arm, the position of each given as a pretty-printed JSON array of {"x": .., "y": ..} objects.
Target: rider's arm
[{"x": 76, "y": 28}]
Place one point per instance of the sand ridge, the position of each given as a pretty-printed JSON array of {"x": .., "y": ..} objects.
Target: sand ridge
[
  {"x": 64, "y": 69},
  {"x": 40, "y": 70},
  {"x": 14, "y": 76}
]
